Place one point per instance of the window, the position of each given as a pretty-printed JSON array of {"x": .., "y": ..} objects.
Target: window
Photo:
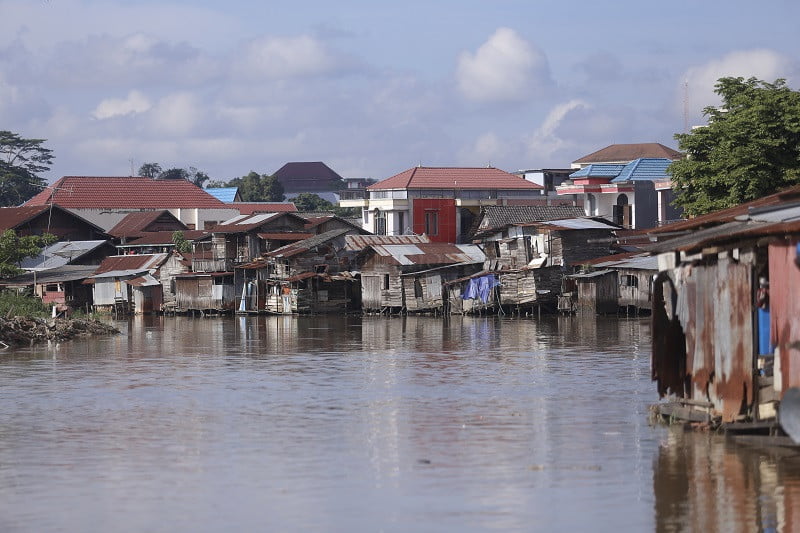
[
  {"x": 629, "y": 281},
  {"x": 431, "y": 222},
  {"x": 386, "y": 282},
  {"x": 592, "y": 204},
  {"x": 401, "y": 222},
  {"x": 380, "y": 222}
]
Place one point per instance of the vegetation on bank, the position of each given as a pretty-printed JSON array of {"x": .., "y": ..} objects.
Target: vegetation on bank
[{"x": 24, "y": 319}]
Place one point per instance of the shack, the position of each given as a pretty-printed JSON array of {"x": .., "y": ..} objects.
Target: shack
[
  {"x": 392, "y": 275},
  {"x": 204, "y": 292},
  {"x": 309, "y": 276},
  {"x": 127, "y": 284},
  {"x": 596, "y": 292},
  {"x": 716, "y": 357}
]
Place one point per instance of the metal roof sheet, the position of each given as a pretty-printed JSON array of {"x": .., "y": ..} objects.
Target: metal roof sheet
[
  {"x": 359, "y": 242},
  {"x": 224, "y": 194},
  {"x": 59, "y": 254},
  {"x": 645, "y": 168}
]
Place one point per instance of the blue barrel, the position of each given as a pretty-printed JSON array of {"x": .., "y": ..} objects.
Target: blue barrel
[{"x": 764, "y": 345}]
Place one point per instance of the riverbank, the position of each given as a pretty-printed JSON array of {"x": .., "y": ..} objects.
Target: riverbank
[{"x": 22, "y": 330}]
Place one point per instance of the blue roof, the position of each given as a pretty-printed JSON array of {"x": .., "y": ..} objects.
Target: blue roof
[
  {"x": 601, "y": 170},
  {"x": 223, "y": 194},
  {"x": 645, "y": 168}
]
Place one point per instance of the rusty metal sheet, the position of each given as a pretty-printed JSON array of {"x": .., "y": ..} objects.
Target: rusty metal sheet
[{"x": 784, "y": 280}]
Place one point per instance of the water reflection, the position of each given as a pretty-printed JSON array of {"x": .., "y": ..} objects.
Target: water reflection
[
  {"x": 706, "y": 482},
  {"x": 343, "y": 423}
]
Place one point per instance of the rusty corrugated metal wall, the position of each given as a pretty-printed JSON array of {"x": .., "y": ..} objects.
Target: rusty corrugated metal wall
[
  {"x": 715, "y": 307},
  {"x": 784, "y": 276}
]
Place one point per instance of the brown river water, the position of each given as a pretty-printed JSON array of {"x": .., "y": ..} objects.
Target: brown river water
[{"x": 366, "y": 424}]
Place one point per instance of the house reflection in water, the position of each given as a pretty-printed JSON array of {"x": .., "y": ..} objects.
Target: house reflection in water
[{"x": 703, "y": 482}]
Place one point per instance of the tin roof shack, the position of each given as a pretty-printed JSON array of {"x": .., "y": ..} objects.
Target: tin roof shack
[
  {"x": 316, "y": 271},
  {"x": 177, "y": 263},
  {"x": 244, "y": 238},
  {"x": 529, "y": 258},
  {"x": 128, "y": 284},
  {"x": 61, "y": 286},
  {"x": 205, "y": 292},
  {"x": 635, "y": 272},
  {"x": 392, "y": 275},
  {"x": 707, "y": 318},
  {"x": 596, "y": 292}
]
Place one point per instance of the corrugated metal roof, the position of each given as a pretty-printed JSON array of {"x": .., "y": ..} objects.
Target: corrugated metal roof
[
  {"x": 578, "y": 223},
  {"x": 11, "y": 217},
  {"x": 433, "y": 253},
  {"x": 135, "y": 223},
  {"x": 224, "y": 194},
  {"x": 359, "y": 242},
  {"x": 60, "y": 254},
  {"x": 134, "y": 262},
  {"x": 251, "y": 208},
  {"x": 53, "y": 275},
  {"x": 307, "y": 244},
  {"x": 497, "y": 216},
  {"x": 589, "y": 275}
]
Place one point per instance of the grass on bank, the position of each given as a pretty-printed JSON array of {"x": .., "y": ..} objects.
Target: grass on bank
[{"x": 13, "y": 303}]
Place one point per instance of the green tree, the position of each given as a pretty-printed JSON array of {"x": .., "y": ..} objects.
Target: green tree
[
  {"x": 180, "y": 242},
  {"x": 256, "y": 187},
  {"x": 306, "y": 201},
  {"x": 21, "y": 160},
  {"x": 192, "y": 174},
  {"x": 13, "y": 249},
  {"x": 150, "y": 170},
  {"x": 749, "y": 149}
]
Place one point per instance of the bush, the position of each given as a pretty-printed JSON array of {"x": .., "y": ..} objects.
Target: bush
[{"x": 13, "y": 303}]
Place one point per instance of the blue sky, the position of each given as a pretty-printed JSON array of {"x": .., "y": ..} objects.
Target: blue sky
[{"x": 371, "y": 88}]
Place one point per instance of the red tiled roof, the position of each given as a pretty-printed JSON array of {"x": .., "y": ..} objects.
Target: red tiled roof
[
  {"x": 455, "y": 178},
  {"x": 628, "y": 152},
  {"x": 135, "y": 223},
  {"x": 132, "y": 192},
  {"x": 11, "y": 217},
  {"x": 252, "y": 208}
]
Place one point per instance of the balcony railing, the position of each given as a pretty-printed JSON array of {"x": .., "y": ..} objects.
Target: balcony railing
[{"x": 352, "y": 194}]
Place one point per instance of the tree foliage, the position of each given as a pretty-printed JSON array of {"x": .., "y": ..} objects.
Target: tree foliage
[
  {"x": 13, "y": 249},
  {"x": 180, "y": 242},
  {"x": 21, "y": 160},
  {"x": 749, "y": 149},
  {"x": 306, "y": 201},
  {"x": 192, "y": 174},
  {"x": 256, "y": 187}
]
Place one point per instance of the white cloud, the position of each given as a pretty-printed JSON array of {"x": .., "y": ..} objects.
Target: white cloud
[
  {"x": 287, "y": 57},
  {"x": 506, "y": 68},
  {"x": 766, "y": 65},
  {"x": 135, "y": 103},
  {"x": 545, "y": 141},
  {"x": 176, "y": 114}
]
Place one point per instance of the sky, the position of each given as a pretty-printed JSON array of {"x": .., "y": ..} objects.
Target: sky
[{"x": 371, "y": 88}]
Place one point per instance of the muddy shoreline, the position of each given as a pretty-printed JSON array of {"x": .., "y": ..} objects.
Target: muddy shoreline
[{"x": 21, "y": 331}]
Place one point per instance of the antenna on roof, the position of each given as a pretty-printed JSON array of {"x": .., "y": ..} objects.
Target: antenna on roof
[
  {"x": 131, "y": 161},
  {"x": 685, "y": 106}
]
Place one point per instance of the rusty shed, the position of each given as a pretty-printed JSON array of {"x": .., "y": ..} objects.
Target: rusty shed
[
  {"x": 387, "y": 269},
  {"x": 707, "y": 326}
]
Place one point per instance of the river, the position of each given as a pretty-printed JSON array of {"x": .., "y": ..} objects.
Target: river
[{"x": 364, "y": 424}]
